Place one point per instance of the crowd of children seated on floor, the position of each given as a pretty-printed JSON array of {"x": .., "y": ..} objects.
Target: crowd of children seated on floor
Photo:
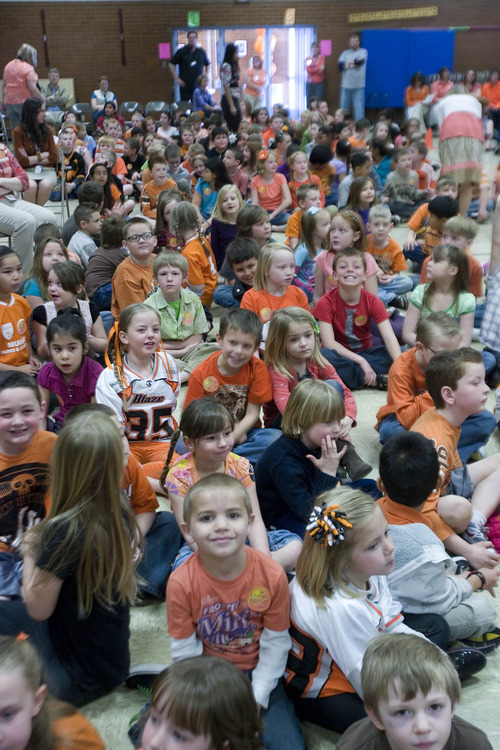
[{"x": 262, "y": 470}]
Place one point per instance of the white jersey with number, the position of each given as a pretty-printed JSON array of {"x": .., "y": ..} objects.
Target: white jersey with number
[{"x": 147, "y": 404}]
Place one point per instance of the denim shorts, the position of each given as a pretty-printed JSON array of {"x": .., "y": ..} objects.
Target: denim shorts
[{"x": 460, "y": 483}]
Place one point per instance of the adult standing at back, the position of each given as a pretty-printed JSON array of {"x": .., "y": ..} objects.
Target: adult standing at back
[
  {"x": 315, "y": 68},
  {"x": 20, "y": 82},
  {"x": 352, "y": 63},
  {"x": 230, "y": 87},
  {"x": 192, "y": 61}
]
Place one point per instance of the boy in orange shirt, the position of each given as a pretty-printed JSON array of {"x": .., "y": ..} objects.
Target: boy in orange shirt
[
  {"x": 239, "y": 380},
  {"x": 392, "y": 287},
  {"x": 418, "y": 222},
  {"x": 439, "y": 209},
  {"x": 407, "y": 395},
  {"x": 307, "y": 196},
  {"x": 151, "y": 191},
  {"x": 467, "y": 495},
  {"x": 361, "y": 130},
  {"x": 232, "y": 601},
  {"x": 133, "y": 279},
  {"x": 25, "y": 452}
]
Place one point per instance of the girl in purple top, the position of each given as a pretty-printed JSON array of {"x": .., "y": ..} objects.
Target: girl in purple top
[{"x": 70, "y": 376}]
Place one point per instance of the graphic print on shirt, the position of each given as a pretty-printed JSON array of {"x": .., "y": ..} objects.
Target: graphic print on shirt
[
  {"x": 22, "y": 498},
  {"x": 226, "y": 626},
  {"x": 350, "y": 321}
]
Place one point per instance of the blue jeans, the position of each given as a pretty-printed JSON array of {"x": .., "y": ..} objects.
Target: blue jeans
[
  {"x": 257, "y": 441},
  {"x": 161, "y": 546},
  {"x": 281, "y": 726},
  {"x": 415, "y": 254},
  {"x": 353, "y": 100},
  {"x": 350, "y": 373},
  {"x": 280, "y": 220},
  {"x": 223, "y": 296},
  {"x": 102, "y": 297},
  {"x": 476, "y": 431},
  {"x": 489, "y": 361},
  {"x": 398, "y": 285}
]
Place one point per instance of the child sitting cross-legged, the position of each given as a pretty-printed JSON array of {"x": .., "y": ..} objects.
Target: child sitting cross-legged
[
  {"x": 207, "y": 429},
  {"x": 467, "y": 495},
  {"x": 182, "y": 318},
  {"x": 237, "y": 379},
  {"x": 292, "y": 356},
  {"x": 424, "y": 579},
  {"x": 104, "y": 262},
  {"x": 231, "y": 601},
  {"x": 392, "y": 286},
  {"x": 340, "y": 603},
  {"x": 242, "y": 255},
  {"x": 344, "y": 316},
  {"x": 305, "y": 459},
  {"x": 408, "y": 397},
  {"x": 411, "y": 692}
]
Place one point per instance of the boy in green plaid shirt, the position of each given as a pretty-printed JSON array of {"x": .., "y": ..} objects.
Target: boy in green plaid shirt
[{"x": 182, "y": 316}]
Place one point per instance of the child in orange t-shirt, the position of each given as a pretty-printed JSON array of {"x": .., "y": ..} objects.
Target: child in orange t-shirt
[
  {"x": 272, "y": 284},
  {"x": 299, "y": 164},
  {"x": 270, "y": 190},
  {"x": 392, "y": 287},
  {"x": 407, "y": 395},
  {"x": 239, "y": 380},
  {"x": 25, "y": 455},
  {"x": 133, "y": 279},
  {"x": 152, "y": 190},
  {"x": 307, "y": 197},
  {"x": 202, "y": 273},
  {"x": 467, "y": 495},
  {"x": 15, "y": 346},
  {"x": 247, "y": 620},
  {"x": 419, "y": 221}
]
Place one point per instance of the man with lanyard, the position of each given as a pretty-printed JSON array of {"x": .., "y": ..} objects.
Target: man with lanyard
[
  {"x": 352, "y": 63},
  {"x": 192, "y": 61}
]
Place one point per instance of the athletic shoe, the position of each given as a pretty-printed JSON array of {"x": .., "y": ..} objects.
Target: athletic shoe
[
  {"x": 467, "y": 661},
  {"x": 142, "y": 676},
  {"x": 485, "y": 643},
  {"x": 475, "y": 533},
  {"x": 400, "y": 301},
  {"x": 381, "y": 381}
]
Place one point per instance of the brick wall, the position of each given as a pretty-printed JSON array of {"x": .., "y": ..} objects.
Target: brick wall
[{"x": 84, "y": 42}]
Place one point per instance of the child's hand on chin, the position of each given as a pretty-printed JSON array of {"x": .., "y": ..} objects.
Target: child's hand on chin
[{"x": 329, "y": 460}]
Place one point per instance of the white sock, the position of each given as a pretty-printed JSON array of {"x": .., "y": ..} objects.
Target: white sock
[{"x": 478, "y": 517}]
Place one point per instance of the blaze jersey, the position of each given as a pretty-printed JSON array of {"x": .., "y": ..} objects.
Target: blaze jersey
[{"x": 146, "y": 405}]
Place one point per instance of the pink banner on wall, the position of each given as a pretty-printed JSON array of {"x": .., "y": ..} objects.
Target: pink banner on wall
[
  {"x": 325, "y": 47},
  {"x": 164, "y": 51}
]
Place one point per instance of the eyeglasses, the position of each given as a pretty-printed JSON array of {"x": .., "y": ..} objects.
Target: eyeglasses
[{"x": 137, "y": 237}]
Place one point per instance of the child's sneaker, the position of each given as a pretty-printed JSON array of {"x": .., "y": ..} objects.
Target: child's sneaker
[
  {"x": 485, "y": 643},
  {"x": 400, "y": 301},
  {"x": 475, "y": 533}
]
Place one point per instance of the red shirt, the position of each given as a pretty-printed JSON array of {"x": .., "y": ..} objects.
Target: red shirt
[{"x": 351, "y": 323}]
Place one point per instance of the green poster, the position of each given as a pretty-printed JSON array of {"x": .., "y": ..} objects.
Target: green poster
[{"x": 193, "y": 18}]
